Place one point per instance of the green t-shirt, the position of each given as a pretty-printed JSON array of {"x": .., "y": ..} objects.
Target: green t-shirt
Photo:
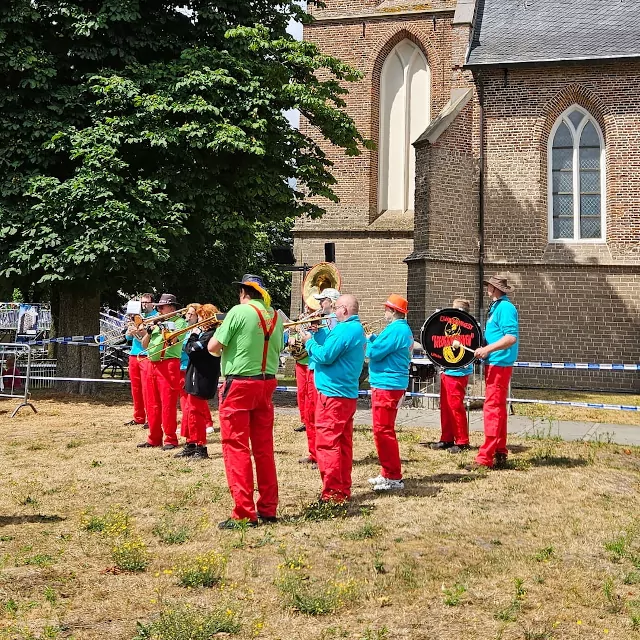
[
  {"x": 155, "y": 344},
  {"x": 242, "y": 336}
]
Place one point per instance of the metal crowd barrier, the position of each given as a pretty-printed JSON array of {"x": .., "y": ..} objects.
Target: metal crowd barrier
[{"x": 15, "y": 371}]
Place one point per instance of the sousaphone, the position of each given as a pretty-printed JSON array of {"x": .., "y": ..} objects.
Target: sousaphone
[{"x": 323, "y": 275}]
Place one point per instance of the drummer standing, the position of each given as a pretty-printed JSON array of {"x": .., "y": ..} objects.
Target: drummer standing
[
  {"x": 454, "y": 435},
  {"x": 501, "y": 335}
]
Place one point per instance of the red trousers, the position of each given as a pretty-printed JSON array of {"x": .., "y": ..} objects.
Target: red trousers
[
  {"x": 334, "y": 445},
  {"x": 453, "y": 415},
  {"x": 163, "y": 389},
  {"x": 246, "y": 429},
  {"x": 384, "y": 409},
  {"x": 183, "y": 402},
  {"x": 302, "y": 382},
  {"x": 195, "y": 418},
  {"x": 495, "y": 413},
  {"x": 137, "y": 373},
  {"x": 310, "y": 422}
]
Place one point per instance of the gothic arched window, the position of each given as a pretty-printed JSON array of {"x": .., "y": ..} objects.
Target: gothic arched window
[
  {"x": 576, "y": 178},
  {"x": 404, "y": 115}
]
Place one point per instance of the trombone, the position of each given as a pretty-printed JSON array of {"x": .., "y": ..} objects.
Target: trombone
[
  {"x": 315, "y": 316},
  {"x": 164, "y": 316}
]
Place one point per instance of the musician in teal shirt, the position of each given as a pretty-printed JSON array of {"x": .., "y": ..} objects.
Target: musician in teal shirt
[{"x": 501, "y": 335}]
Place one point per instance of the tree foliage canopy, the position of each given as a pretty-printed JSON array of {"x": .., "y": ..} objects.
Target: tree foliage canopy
[{"x": 136, "y": 135}]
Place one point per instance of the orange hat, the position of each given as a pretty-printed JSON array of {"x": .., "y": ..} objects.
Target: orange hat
[{"x": 397, "y": 303}]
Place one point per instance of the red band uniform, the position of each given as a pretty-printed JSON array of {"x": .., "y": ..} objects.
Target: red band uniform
[
  {"x": 252, "y": 339},
  {"x": 338, "y": 365},
  {"x": 389, "y": 361}
]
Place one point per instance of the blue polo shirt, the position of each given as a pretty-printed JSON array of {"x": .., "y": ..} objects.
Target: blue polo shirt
[
  {"x": 136, "y": 345},
  {"x": 502, "y": 321},
  {"x": 321, "y": 335},
  {"x": 390, "y": 356},
  {"x": 339, "y": 359},
  {"x": 459, "y": 373}
]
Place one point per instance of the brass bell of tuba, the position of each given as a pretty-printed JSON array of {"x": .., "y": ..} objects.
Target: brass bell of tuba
[{"x": 324, "y": 275}]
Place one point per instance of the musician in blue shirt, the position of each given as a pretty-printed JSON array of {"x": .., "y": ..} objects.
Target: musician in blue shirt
[{"x": 500, "y": 353}]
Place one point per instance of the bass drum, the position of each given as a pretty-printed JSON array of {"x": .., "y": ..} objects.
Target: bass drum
[{"x": 443, "y": 328}]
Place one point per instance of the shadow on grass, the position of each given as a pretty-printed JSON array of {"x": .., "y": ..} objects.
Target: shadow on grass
[
  {"x": 517, "y": 448},
  {"x": 371, "y": 458},
  {"x": 450, "y": 478},
  {"x": 8, "y": 520},
  {"x": 557, "y": 461}
]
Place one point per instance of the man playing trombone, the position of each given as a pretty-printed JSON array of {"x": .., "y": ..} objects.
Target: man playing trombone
[
  {"x": 389, "y": 361},
  {"x": 163, "y": 379}
]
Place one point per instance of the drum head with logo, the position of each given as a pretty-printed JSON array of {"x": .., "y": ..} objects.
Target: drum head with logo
[{"x": 443, "y": 328}]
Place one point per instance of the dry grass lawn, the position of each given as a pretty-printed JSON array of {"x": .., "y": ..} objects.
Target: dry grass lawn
[{"x": 549, "y": 548}]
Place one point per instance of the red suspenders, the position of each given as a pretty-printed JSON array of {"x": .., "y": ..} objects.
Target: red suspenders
[{"x": 267, "y": 331}]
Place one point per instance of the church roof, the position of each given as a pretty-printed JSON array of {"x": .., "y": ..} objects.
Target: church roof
[{"x": 520, "y": 31}]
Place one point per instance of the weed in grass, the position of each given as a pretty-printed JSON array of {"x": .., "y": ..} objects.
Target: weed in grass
[
  {"x": 407, "y": 572},
  {"x": 50, "y": 632},
  {"x": 408, "y": 436},
  {"x": 618, "y": 547},
  {"x": 41, "y": 560},
  {"x": 531, "y": 633},
  {"x": 615, "y": 602},
  {"x": 376, "y": 634},
  {"x": 172, "y": 533},
  {"x": 97, "y": 463},
  {"x": 130, "y": 554},
  {"x": 634, "y": 618},
  {"x": 74, "y": 444},
  {"x": 314, "y": 597},
  {"x": 367, "y": 531},
  {"x": 452, "y": 596},
  {"x": 633, "y": 577},
  {"x": 511, "y": 611},
  {"x": 36, "y": 446},
  {"x": 378, "y": 564},
  {"x": 267, "y": 538},
  {"x": 544, "y": 555},
  {"x": 242, "y": 526},
  {"x": 10, "y": 606},
  {"x": 50, "y": 595},
  {"x": 28, "y": 501},
  {"x": 6, "y": 538},
  {"x": 333, "y": 633},
  {"x": 320, "y": 510},
  {"x": 182, "y": 622},
  {"x": 205, "y": 570},
  {"x": 113, "y": 523}
]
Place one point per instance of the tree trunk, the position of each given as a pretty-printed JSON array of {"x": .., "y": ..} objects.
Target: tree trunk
[{"x": 79, "y": 316}]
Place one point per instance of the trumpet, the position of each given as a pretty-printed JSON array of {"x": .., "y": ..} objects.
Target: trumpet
[
  {"x": 314, "y": 316},
  {"x": 371, "y": 327},
  {"x": 215, "y": 320},
  {"x": 321, "y": 322},
  {"x": 164, "y": 316}
]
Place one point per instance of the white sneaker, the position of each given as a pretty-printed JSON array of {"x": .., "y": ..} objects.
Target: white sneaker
[
  {"x": 209, "y": 429},
  {"x": 389, "y": 485},
  {"x": 376, "y": 480}
]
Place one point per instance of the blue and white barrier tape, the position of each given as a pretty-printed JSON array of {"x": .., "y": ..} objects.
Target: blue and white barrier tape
[
  {"x": 591, "y": 366},
  {"x": 72, "y": 340},
  {"x": 365, "y": 393}
]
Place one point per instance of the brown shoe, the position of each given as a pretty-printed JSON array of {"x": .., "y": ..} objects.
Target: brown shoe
[{"x": 306, "y": 460}]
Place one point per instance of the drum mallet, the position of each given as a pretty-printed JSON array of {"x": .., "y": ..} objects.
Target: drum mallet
[{"x": 456, "y": 344}]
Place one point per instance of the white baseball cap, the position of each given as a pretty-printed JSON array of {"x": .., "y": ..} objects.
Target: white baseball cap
[{"x": 332, "y": 294}]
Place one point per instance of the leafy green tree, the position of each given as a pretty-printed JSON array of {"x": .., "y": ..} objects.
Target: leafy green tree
[{"x": 137, "y": 138}]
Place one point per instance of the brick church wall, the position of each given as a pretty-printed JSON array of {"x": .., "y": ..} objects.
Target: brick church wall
[{"x": 577, "y": 302}]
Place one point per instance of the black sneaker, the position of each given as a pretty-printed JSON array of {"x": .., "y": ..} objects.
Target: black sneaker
[
  {"x": 232, "y": 524},
  {"x": 300, "y": 429},
  {"x": 200, "y": 453},
  {"x": 439, "y": 446},
  {"x": 132, "y": 423},
  {"x": 501, "y": 461},
  {"x": 145, "y": 425},
  {"x": 146, "y": 445},
  {"x": 267, "y": 519},
  {"x": 169, "y": 447},
  {"x": 188, "y": 450},
  {"x": 459, "y": 448}
]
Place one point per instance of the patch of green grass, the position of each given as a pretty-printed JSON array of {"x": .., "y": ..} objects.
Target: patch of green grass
[
  {"x": 189, "y": 623},
  {"x": 50, "y": 595},
  {"x": 115, "y": 522},
  {"x": 545, "y": 554},
  {"x": 41, "y": 560},
  {"x": 74, "y": 444},
  {"x": 452, "y": 596},
  {"x": 511, "y": 611},
  {"x": 633, "y": 577},
  {"x": 407, "y": 572},
  {"x": 172, "y": 533},
  {"x": 206, "y": 570},
  {"x": 318, "y": 511},
  {"x": 376, "y": 634},
  {"x": 618, "y": 547},
  {"x": 615, "y": 602},
  {"x": 367, "y": 531},
  {"x": 314, "y": 597}
]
